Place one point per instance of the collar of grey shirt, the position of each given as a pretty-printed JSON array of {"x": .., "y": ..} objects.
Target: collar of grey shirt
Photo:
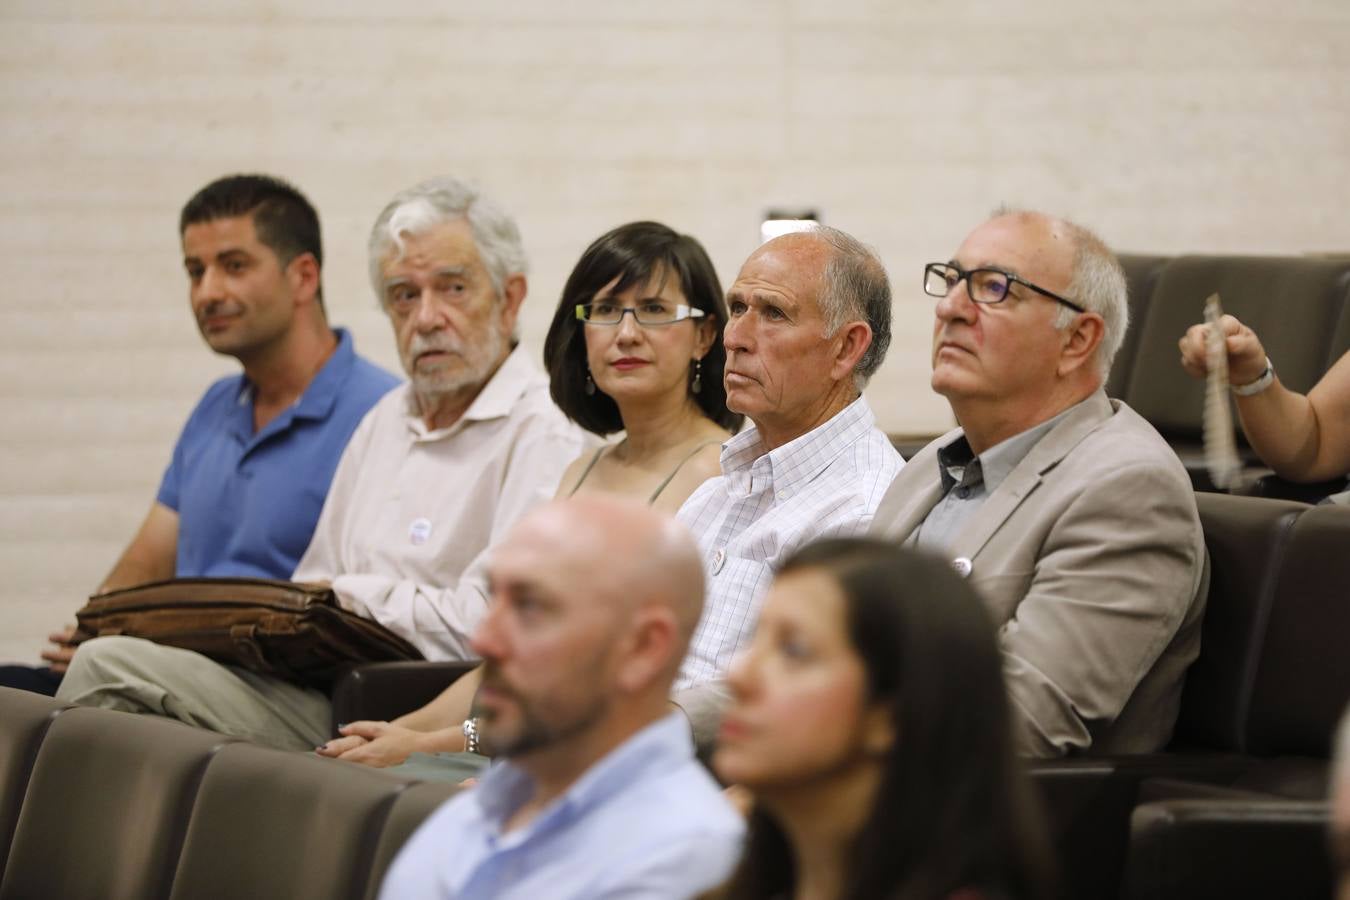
[{"x": 958, "y": 465}]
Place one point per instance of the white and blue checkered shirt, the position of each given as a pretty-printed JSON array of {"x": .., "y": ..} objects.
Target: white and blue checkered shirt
[{"x": 764, "y": 506}]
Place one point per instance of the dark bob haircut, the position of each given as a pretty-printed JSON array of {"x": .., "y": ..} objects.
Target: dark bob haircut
[
  {"x": 953, "y": 809},
  {"x": 633, "y": 253}
]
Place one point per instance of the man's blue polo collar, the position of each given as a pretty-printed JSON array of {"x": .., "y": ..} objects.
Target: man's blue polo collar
[{"x": 315, "y": 403}]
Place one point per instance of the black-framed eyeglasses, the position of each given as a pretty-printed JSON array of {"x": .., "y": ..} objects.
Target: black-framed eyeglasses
[
  {"x": 985, "y": 285},
  {"x": 649, "y": 312}
]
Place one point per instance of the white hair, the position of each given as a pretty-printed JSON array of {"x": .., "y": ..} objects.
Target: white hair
[{"x": 435, "y": 202}]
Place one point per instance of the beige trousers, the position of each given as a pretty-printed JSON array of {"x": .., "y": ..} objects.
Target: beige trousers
[{"x": 140, "y": 676}]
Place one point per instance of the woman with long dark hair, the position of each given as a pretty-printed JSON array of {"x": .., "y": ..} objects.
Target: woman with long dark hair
[{"x": 870, "y": 722}]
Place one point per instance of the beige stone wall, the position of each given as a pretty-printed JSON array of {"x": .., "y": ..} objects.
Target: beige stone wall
[{"x": 1186, "y": 125}]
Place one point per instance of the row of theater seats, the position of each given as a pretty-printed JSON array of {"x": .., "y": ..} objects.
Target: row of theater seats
[
  {"x": 107, "y": 805},
  {"x": 1236, "y": 807},
  {"x": 1299, "y": 305}
]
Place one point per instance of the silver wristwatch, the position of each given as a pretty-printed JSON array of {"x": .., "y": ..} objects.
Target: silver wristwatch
[{"x": 1265, "y": 380}]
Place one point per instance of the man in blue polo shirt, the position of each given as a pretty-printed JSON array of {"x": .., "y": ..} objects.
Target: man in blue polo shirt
[{"x": 252, "y": 466}]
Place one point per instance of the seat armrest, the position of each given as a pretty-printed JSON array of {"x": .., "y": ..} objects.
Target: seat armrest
[
  {"x": 1155, "y": 790},
  {"x": 1275, "y": 487},
  {"x": 385, "y": 691},
  {"x": 1231, "y": 848},
  {"x": 1088, "y": 801}
]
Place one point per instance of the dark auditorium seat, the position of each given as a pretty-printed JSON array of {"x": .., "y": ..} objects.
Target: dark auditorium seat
[
  {"x": 1141, "y": 273},
  {"x": 1275, "y": 487},
  {"x": 385, "y": 691},
  {"x": 1247, "y": 539},
  {"x": 24, "y": 721},
  {"x": 1302, "y": 684},
  {"x": 290, "y": 826},
  {"x": 410, "y": 809},
  {"x": 106, "y": 806},
  {"x": 1238, "y": 849},
  {"x": 1259, "y": 705}
]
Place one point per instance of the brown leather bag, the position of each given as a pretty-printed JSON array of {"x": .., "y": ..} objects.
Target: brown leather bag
[{"x": 281, "y": 628}]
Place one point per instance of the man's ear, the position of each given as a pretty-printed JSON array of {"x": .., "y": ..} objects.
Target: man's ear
[
  {"x": 302, "y": 273},
  {"x": 1080, "y": 342},
  {"x": 854, "y": 338},
  {"x": 645, "y": 653},
  {"x": 513, "y": 294}
]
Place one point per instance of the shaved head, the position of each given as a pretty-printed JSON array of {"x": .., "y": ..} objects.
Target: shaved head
[
  {"x": 628, "y": 555},
  {"x": 594, "y": 601}
]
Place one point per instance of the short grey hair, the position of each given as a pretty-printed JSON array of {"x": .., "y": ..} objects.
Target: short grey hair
[
  {"x": 435, "y": 202},
  {"x": 1097, "y": 284},
  {"x": 854, "y": 287}
]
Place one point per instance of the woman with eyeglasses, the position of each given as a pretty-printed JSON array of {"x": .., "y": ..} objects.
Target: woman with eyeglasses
[
  {"x": 870, "y": 722},
  {"x": 636, "y": 346}
]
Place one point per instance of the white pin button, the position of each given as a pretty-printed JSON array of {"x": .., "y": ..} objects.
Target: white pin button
[
  {"x": 419, "y": 531},
  {"x": 962, "y": 566},
  {"x": 719, "y": 556}
]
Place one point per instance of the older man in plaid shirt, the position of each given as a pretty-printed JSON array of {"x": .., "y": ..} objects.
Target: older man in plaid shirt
[{"x": 810, "y": 321}]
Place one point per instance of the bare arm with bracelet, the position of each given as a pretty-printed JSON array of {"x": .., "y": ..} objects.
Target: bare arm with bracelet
[
  {"x": 437, "y": 727},
  {"x": 1303, "y": 438}
]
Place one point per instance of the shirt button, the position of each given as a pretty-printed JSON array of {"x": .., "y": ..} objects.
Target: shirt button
[
  {"x": 962, "y": 566},
  {"x": 719, "y": 556}
]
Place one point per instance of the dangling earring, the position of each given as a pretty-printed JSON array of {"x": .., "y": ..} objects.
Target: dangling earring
[
  {"x": 697, "y": 386},
  {"x": 590, "y": 384}
]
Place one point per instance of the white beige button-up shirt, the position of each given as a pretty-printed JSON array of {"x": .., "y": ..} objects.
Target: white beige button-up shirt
[{"x": 411, "y": 512}]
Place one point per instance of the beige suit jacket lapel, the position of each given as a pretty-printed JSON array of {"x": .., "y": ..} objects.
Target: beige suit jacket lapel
[
  {"x": 1024, "y": 479},
  {"x": 913, "y": 493}
]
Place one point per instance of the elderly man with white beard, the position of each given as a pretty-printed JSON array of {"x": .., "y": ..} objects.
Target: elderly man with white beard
[{"x": 438, "y": 470}]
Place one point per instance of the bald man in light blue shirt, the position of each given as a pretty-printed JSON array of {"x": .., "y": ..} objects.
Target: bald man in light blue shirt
[{"x": 597, "y": 792}]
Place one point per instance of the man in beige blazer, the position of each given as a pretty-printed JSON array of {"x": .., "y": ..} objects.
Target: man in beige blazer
[{"x": 1066, "y": 509}]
